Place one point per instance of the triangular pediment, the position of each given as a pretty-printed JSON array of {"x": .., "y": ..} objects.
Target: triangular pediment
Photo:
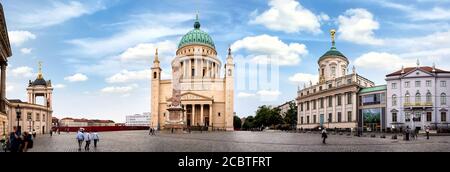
[
  {"x": 189, "y": 96},
  {"x": 417, "y": 73}
]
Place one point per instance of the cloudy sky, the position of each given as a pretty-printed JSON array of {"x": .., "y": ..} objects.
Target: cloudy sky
[{"x": 98, "y": 52}]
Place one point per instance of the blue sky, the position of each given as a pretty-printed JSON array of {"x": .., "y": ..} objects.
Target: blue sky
[{"x": 98, "y": 52}]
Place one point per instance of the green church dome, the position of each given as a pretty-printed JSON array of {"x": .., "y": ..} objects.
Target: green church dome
[
  {"x": 333, "y": 52},
  {"x": 196, "y": 36}
]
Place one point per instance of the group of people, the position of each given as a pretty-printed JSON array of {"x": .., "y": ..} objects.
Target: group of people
[
  {"x": 152, "y": 131},
  {"x": 18, "y": 141},
  {"x": 86, "y": 136}
]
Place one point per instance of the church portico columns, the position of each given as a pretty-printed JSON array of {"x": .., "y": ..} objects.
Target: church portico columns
[{"x": 201, "y": 116}]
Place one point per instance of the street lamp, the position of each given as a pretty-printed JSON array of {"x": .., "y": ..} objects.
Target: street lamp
[{"x": 18, "y": 114}]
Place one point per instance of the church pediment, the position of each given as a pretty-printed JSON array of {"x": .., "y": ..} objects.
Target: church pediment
[{"x": 193, "y": 97}]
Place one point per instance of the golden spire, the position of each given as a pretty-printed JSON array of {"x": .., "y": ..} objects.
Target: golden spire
[
  {"x": 333, "y": 36},
  {"x": 40, "y": 70}
]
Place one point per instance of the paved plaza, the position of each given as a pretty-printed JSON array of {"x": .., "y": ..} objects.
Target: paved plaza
[{"x": 239, "y": 141}]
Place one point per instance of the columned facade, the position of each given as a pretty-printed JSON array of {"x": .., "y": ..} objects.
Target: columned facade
[
  {"x": 5, "y": 53},
  {"x": 206, "y": 94}
]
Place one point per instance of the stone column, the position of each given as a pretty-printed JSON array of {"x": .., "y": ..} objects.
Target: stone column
[
  {"x": 184, "y": 114},
  {"x": 193, "y": 116},
  {"x": 201, "y": 115},
  {"x": 210, "y": 115},
  {"x": 3, "y": 87}
]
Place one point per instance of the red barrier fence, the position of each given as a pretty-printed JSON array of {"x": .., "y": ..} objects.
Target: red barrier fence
[{"x": 100, "y": 128}]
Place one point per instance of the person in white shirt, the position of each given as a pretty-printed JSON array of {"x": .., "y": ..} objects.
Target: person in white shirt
[
  {"x": 95, "y": 138},
  {"x": 87, "y": 138},
  {"x": 80, "y": 139}
]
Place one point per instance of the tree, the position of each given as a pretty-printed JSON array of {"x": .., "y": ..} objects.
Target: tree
[
  {"x": 291, "y": 115},
  {"x": 267, "y": 116},
  {"x": 237, "y": 123},
  {"x": 248, "y": 123}
]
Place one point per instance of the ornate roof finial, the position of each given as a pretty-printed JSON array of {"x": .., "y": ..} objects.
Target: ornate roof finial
[
  {"x": 197, "y": 22},
  {"x": 156, "y": 56},
  {"x": 354, "y": 69},
  {"x": 333, "y": 37},
  {"x": 40, "y": 70},
  {"x": 229, "y": 50},
  {"x": 434, "y": 67},
  {"x": 418, "y": 63},
  {"x": 403, "y": 69}
]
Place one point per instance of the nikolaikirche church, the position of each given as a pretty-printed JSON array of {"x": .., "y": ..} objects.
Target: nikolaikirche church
[{"x": 197, "y": 95}]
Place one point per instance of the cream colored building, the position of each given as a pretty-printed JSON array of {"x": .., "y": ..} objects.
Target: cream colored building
[
  {"x": 206, "y": 97},
  {"x": 5, "y": 53},
  {"x": 332, "y": 103},
  {"x": 33, "y": 116}
]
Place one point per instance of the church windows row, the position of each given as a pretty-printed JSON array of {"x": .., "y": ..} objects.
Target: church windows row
[
  {"x": 326, "y": 101},
  {"x": 418, "y": 98}
]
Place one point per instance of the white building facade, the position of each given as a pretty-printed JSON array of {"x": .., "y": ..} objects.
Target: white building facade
[
  {"x": 138, "y": 120},
  {"x": 418, "y": 97}
]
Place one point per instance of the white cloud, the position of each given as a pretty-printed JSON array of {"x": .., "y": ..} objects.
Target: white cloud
[
  {"x": 437, "y": 13},
  {"x": 76, "y": 78},
  {"x": 120, "y": 90},
  {"x": 59, "y": 86},
  {"x": 126, "y": 76},
  {"x": 245, "y": 95},
  {"x": 303, "y": 78},
  {"x": 146, "y": 51},
  {"x": 133, "y": 32},
  {"x": 357, "y": 26},
  {"x": 9, "y": 88},
  {"x": 23, "y": 71},
  {"x": 288, "y": 16},
  {"x": 49, "y": 13},
  {"x": 382, "y": 61},
  {"x": 269, "y": 93},
  {"x": 264, "y": 48},
  {"x": 26, "y": 50},
  {"x": 19, "y": 37}
]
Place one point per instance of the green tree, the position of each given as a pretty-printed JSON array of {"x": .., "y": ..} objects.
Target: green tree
[
  {"x": 266, "y": 116},
  {"x": 248, "y": 123},
  {"x": 237, "y": 123},
  {"x": 291, "y": 115}
]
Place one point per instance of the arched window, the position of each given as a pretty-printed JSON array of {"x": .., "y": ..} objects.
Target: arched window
[
  {"x": 429, "y": 97},
  {"x": 407, "y": 96},
  {"x": 443, "y": 99},
  {"x": 418, "y": 97},
  {"x": 155, "y": 75},
  {"x": 394, "y": 100}
]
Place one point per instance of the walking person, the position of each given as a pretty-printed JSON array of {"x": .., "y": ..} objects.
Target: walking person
[
  {"x": 87, "y": 139},
  {"x": 51, "y": 132},
  {"x": 95, "y": 138},
  {"x": 15, "y": 140},
  {"x": 324, "y": 136},
  {"x": 407, "y": 133},
  {"x": 27, "y": 142},
  {"x": 80, "y": 139},
  {"x": 34, "y": 133},
  {"x": 427, "y": 130}
]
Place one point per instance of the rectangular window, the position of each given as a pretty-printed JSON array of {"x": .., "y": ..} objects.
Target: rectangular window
[
  {"x": 349, "y": 116},
  {"x": 428, "y": 83},
  {"x": 38, "y": 117},
  {"x": 330, "y": 117},
  {"x": 349, "y": 81},
  {"x": 339, "y": 117},
  {"x": 330, "y": 101},
  {"x": 307, "y": 106},
  {"x": 443, "y": 84},
  {"x": 339, "y": 100},
  {"x": 307, "y": 119},
  {"x": 301, "y": 120},
  {"x": 301, "y": 107},
  {"x": 321, "y": 103},
  {"x": 43, "y": 117},
  {"x": 314, "y": 104},
  {"x": 443, "y": 116},
  {"x": 349, "y": 98},
  {"x": 394, "y": 85},
  {"x": 429, "y": 116},
  {"x": 394, "y": 117},
  {"x": 407, "y": 84},
  {"x": 314, "y": 119},
  {"x": 28, "y": 116},
  {"x": 192, "y": 72},
  {"x": 417, "y": 83}
]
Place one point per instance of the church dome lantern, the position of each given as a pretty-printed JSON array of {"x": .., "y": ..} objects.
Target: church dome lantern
[{"x": 196, "y": 37}]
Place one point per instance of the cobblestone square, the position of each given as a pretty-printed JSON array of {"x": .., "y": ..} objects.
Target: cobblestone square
[{"x": 239, "y": 141}]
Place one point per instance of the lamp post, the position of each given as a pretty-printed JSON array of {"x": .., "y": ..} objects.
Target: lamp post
[{"x": 18, "y": 115}]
